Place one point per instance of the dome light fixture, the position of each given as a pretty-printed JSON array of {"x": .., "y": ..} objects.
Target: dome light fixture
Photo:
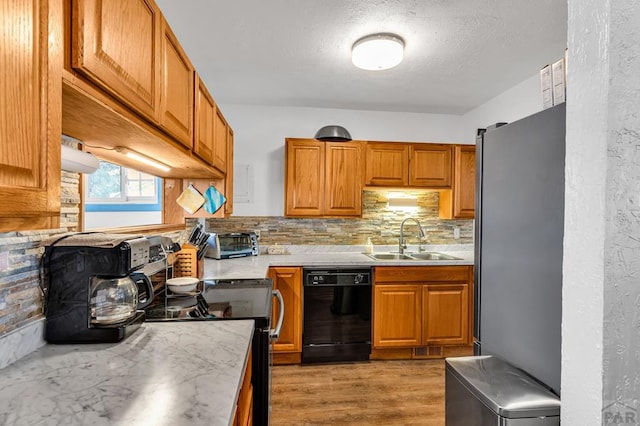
[{"x": 377, "y": 52}]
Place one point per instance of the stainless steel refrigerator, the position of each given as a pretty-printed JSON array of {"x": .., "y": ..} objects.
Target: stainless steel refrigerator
[{"x": 518, "y": 244}]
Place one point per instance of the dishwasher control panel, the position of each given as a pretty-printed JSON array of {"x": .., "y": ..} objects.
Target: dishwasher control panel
[{"x": 337, "y": 276}]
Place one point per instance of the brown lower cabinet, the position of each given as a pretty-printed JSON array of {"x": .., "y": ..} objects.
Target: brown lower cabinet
[
  {"x": 244, "y": 407},
  {"x": 288, "y": 348},
  {"x": 416, "y": 306},
  {"x": 418, "y": 311}
]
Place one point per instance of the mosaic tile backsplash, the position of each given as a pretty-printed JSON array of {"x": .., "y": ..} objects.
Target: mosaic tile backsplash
[
  {"x": 379, "y": 222},
  {"x": 20, "y": 295}
]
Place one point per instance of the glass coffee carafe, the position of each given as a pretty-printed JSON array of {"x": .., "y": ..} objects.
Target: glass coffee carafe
[{"x": 113, "y": 300}]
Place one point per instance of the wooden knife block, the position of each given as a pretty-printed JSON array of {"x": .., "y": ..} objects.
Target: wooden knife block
[{"x": 187, "y": 263}]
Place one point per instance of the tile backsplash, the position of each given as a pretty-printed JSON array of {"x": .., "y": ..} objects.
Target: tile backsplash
[
  {"x": 379, "y": 222},
  {"x": 21, "y": 298},
  {"x": 20, "y": 295}
]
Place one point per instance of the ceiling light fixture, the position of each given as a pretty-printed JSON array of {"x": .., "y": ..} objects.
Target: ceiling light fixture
[
  {"x": 142, "y": 159},
  {"x": 377, "y": 52}
]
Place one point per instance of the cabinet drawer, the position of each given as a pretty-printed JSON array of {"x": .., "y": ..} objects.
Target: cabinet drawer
[{"x": 397, "y": 274}]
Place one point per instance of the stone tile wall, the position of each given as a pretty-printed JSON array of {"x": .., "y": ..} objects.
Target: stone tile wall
[
  {"x": 378, "y": 222},
  {"x": 20, "y": 294}
]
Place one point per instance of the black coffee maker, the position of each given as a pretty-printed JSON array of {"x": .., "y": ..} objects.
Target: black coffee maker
[{"x": 92, "y": 289}]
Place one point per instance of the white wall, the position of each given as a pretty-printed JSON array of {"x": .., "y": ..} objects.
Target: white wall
[
  {"x": 601, "y": 296},
  {"x": 97, "y": 220},
  {"x": 584, "y": 224},
  {"x": 518, "y": 102},
  {"x": 260, "y": 131}
]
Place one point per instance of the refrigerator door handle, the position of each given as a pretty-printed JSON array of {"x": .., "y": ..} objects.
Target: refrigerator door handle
[{"x": 275, "y": 333}]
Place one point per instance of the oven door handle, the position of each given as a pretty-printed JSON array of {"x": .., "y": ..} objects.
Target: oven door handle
[{"x": 275, "y": 333}]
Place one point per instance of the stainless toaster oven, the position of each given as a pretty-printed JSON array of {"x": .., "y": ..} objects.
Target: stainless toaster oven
[{"x": 237, "y": 244}]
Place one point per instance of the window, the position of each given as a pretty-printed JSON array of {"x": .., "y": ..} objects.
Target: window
[
  {"x": 116, "y": 184},
  {"x": 135, "y": 198}
]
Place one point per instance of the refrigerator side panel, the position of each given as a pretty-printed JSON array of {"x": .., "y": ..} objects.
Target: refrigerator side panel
[
  {"x": 477, "y": 255},
  {"x": 521, "y": 243}
]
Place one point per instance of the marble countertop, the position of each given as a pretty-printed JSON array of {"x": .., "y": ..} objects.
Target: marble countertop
[
  {"x": 163, "y": 374},
  {"x": 256, "y": 267}
]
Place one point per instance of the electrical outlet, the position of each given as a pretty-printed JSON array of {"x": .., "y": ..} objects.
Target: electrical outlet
[
  {"x": 257, "y": 232},
  {"x": 456, "y": 233}
]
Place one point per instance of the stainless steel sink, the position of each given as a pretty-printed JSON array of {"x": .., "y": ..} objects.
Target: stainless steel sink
[
  {"x": 431, "y": 255},
  {"x": 389, "y": 256}
]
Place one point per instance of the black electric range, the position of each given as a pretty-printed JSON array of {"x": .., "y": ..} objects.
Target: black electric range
[{"x": 220, "y": 300}]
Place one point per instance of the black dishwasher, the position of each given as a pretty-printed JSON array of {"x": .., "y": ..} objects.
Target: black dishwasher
[{"x": 336, "y": 315}]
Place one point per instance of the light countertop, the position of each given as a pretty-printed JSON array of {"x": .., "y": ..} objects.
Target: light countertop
[
  {"x": 163, "y": 374},
  {"x": 256, "y": 267}
]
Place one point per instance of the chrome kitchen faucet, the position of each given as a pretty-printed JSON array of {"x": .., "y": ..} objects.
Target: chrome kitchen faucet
[{"x": 401, "y": 244}]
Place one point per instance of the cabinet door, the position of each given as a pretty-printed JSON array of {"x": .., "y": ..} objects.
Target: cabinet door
[
  {"x": 204, "y": 119},
  {"x": 446, "y": 314},
  {"x": 386, "y": 164},
  {"x": 397, "y": 320},
  {"x": 219, "y": 141},
  {"x": 430, "y": 165},
  {"x": 116, "y": 45},
  {"x": 289, "y": 282},
  {"x": 31, "y": 119},
  {"x": 304, "y": 177},
  {"x": 464, "y": 181},
  {"x": 176, "y": 96},
  {"x": 343, "y": 185},
  {"x": 228, "y": 181}
]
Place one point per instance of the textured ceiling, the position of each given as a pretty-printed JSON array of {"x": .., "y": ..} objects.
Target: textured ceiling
[{"x": 458, "y": 55}]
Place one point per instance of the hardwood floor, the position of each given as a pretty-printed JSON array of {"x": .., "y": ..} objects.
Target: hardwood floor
[{"x": 364, "y": 393}]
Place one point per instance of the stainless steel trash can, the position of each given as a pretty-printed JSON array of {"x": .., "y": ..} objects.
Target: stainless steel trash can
[{"x": 485, "y": 390}]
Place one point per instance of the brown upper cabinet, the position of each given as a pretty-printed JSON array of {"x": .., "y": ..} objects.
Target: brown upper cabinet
[
  {"x": 210, "y": 142},
  {"x": 323, "y": 178},
  {"x": 205, "y": 117},
  {"x": 116, "y": 45},
  {"x": 220, "y": 135},
  {"x": 459, "y": 203},
  {"x": 31, "y": 64},
  {"x": 430, "y": 165},
  {"x": 386, "y": 164},
  {"x": 126, "y": 70},
  {"x": 228, "y": 180},
  {"x": 418, "y": 165},
  {"x": 176, "y": 96}
]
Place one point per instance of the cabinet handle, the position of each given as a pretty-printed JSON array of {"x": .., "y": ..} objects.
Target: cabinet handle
[{"x": 275, "y": 333}]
